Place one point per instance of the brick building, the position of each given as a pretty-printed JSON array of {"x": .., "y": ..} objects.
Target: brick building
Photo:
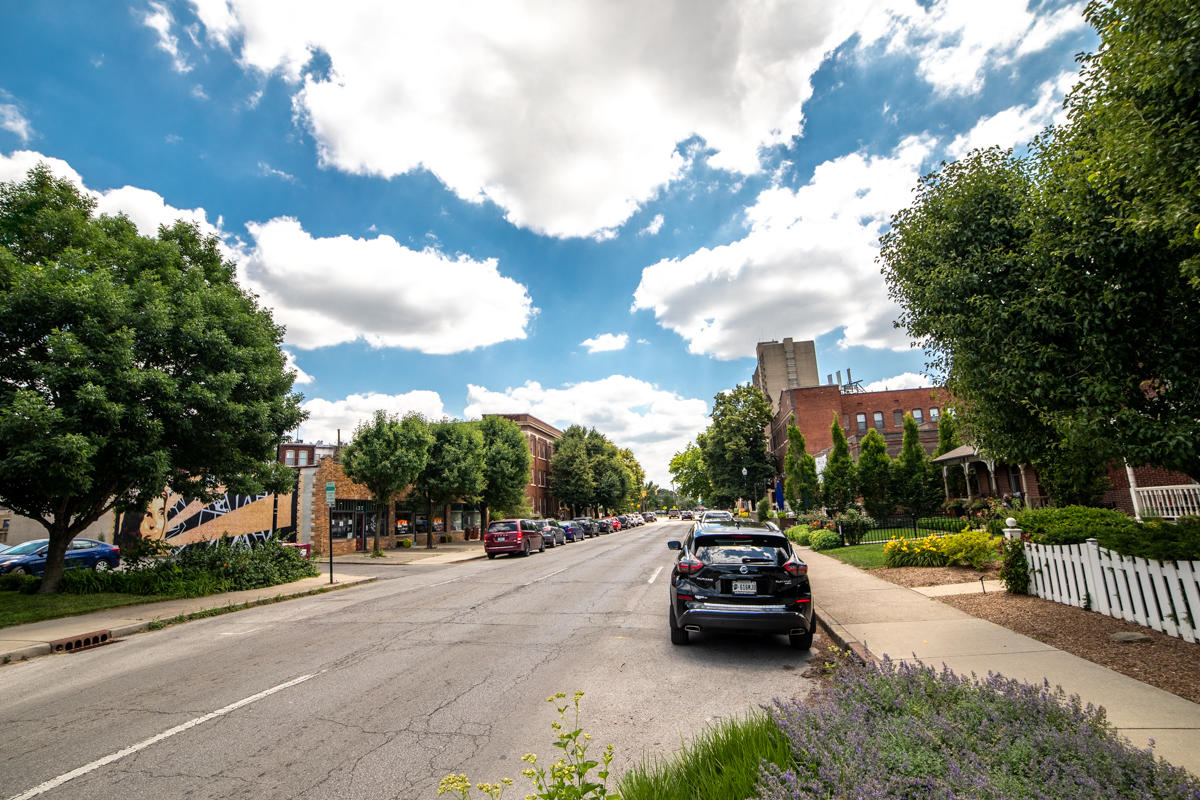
[{"x": 541, "y": 437}]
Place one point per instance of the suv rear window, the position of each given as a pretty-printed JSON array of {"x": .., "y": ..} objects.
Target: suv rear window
[
  {"x": 735, "y": 549},
  {"x": 502, "y": 527}
]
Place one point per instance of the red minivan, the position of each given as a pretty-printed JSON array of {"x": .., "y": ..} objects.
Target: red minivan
[{"x": 515, "y": 536}]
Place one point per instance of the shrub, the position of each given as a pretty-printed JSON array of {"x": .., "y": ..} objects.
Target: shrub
[
  {"x": 854, "y": 524},
  {"x": 899, "y": 730},
  {"x": 813, "y": 520},
  {"x": 1014, "y": 569},
  {"x": 799, "y": 534},
  {"x": 25, "y": 584},
  {"x": 924, "y": 552},
  {"x": 763, "y": 509},
  {"x": 404, "y": 543},
  {"x": 1075, "y": 524},
  {"x": 970, "y": 548},
  {"x": 824, "y": 539}
]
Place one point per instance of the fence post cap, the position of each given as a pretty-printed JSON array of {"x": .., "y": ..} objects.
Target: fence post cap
[
  {"x": 1011, "y": 522},
  {"x": 1093, "y": 540}
]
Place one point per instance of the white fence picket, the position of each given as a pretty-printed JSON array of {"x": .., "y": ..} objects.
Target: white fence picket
[{"x": 1158, "y": 595}]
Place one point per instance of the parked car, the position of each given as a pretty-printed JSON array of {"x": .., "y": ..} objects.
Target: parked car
[
  {"x": 739, "y": 576},
  {"x": 650, "y": 516},
  {"x": 573, "y": 530},
  {"x": 716, "y": 516},
  {"x": 677, "y": 514},
  {"x": 513, "y": 536},
  {"x": 551, "y": 532},
  {"x": 29, "y": 558},
  {"x": 604, "y": 525},
  {"x": 589, "y": 526},
  {"x": 616, "y": 524}
]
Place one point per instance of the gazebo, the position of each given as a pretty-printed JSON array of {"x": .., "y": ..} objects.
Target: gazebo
[{"x": 964, "y": 457}]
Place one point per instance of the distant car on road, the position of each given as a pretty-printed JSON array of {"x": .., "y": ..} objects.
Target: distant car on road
[
  {"x": 684, "y": 515},
  {"x": 551, "y": 532},
  {"x": 739, "y": 576},
  {"x": 573, "y": 530},
  {"x": 512, "y": 536},
  {"x": 673, "y": 513},
  {"x": 29, "y": 558},
  {"x": 716, "y": 516},
  {"x": 604, "y": 525},
  {"x": 649, "y": 516}
]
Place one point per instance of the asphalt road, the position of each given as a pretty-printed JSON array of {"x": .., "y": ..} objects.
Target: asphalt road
[{"x": 379, "y": 691}]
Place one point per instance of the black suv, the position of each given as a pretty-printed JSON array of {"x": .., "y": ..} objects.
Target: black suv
[{"x": 735, "y": 575}]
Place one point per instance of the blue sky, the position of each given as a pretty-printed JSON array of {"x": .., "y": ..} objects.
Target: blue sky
[{"x": 586, "y": 211}]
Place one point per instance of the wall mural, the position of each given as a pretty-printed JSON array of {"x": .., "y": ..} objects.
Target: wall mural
[{"x": 181, "y": 520}]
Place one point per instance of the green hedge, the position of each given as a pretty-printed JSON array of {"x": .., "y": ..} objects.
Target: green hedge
[
  {"x": 824, "y": 540},
  {"x": 799, "y": 534},
  {"x": 1153, "y": 539}
]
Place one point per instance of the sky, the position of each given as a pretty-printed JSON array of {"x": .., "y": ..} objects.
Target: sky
[{"x": 586, "y": 211}]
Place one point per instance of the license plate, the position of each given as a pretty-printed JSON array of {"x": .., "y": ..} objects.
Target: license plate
[
  {"x": 501, "y": 538},
  {"x": 745, "y": 587}
]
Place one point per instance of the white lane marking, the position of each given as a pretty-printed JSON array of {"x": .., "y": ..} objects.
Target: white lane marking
[
  {"x": 655, "y": 575},
  {"x": 142, "y": 745},
  {"x": 238, "y": 633},
  {"x": 551, "y": 575}
]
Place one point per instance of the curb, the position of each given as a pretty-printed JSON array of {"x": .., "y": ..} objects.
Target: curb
[{"x": 842, "y": 638}]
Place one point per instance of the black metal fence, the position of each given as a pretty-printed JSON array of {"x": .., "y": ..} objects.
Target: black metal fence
[{"x": 910, "y": 527}]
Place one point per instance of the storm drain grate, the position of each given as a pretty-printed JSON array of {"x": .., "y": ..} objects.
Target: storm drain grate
[{"x": 73, "y": 643}]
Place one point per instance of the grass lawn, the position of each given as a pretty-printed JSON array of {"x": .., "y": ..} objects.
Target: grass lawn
[
  {"x": 17, "y": 608},
  {"x": 863, "y": 556}
]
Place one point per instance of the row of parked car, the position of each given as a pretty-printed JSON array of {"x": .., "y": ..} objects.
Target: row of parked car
[{"x": 520, "y": 537}]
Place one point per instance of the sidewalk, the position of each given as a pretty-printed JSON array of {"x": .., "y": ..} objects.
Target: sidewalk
[
  {"x": 449, "y": 553},
  {"x": 869, "y": 613},
  {"x": 53, "y": 635}
]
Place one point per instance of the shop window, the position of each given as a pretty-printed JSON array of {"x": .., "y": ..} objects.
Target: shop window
[
  {"x": 878, "y": 415},
  {"x": 341, "y": 524},
  {"x": 918, "y": 416},
  {"x": 861, "y": 420}
]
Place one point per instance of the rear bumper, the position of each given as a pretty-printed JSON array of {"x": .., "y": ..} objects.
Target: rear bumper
[
  {"x": 504, "y": 547},
  {"x": 772, "y": 618}
]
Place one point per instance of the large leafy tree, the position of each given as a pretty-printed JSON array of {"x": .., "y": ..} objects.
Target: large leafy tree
[
  {"x": 915, "y": 484},
  {"x": 1140, "y": 102},
  {"x": 801, "y": 486},
  {"x": 1065, "y": 337},
  {"x": 838, "y": 479},
  {"x": 948, "y": 439},
  {"x": 386, "y": 455},
  {"x": 614, "y": 483},
  {"x": 454, "y": 471},
  {"x": 127, "y": 363},
  {"x": 506, "y": 465},
  {"x": 736, "y": 439},
  {"x": 690, "y": 474},
  {"x": 637, "y": 476},
  {"x": 874, "y": 471},
  {"x": 571, "y": 479}
]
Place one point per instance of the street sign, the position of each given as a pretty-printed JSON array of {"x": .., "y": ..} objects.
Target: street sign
[{"x": 329, "y": 490}]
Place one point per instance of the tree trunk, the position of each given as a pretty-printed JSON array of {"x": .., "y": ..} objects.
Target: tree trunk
[
  {"x": 446, "y": 519},
  {"x": 60, "y": 539},
  {"x": 429, "y": 525},
  {"x": 380, "y": 514},
  {"x": 486, "y": 519}
]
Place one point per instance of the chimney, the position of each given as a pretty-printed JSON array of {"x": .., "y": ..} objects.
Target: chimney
[
  {"x": 839, "y": 374},
  {"x": 829, "y": 379},
  {"x": 848, "y": 378}
]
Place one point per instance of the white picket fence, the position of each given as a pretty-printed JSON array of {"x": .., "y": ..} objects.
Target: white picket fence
[{"x": 1163, "y": 595}]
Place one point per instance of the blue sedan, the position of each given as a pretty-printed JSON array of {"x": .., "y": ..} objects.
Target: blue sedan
[{"x": 29, "y": 558}]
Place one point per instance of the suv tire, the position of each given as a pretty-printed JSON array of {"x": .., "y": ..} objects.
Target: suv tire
[
  {"x": 800, "y": 641},
  {"x": 678, "y": 634}
]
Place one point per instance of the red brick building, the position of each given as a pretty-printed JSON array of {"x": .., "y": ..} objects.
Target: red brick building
[{"x": 541, "y": 437}]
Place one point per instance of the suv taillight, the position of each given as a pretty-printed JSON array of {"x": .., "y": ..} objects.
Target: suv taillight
[
  {"x": 794, "y": 567},
  {"x": 690, "y": 565}
]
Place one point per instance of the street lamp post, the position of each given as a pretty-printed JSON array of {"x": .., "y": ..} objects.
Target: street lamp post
[{"x": 745, "y": 484}]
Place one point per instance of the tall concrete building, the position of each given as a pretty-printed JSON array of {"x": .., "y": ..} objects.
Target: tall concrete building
[{"x": 785, "y": 365}]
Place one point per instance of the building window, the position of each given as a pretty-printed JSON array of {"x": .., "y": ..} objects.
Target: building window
[
  {"x": 861, "y": 419},
  {"x": 303, "y": 458},
  {"x": 898, "y": 417},
  {"x": 289, "y": 457},
  {"x": 918, "y": 416},
  {"x": 879, "y": 420},
  {"x": 934, "y": 414}
]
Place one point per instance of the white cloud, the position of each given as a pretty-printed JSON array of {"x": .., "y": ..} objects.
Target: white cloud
[
  {"x": 807, "y": 262},
  {"x": 13, "y": 121},
  {"x": 957, "y": 41},
  {"x": 199, "y": 93},
  {"x": 654, "y": 227},
  {"x": 568, "y": 116},
  {"x": 159, "y": 19},
  {"x": 302, "y": 377},
  {"x": 1018, "y": 124},
  {"x": 905, "y": 380},
  {"x": 327, "y": 417},
  {"x": 267, "y": 171},
  {"x": 652, "y": 422},
  {"x": 340, "y": 289},
  {"x": 606, "y": 342},
  {"x": 146, "y": 209}
]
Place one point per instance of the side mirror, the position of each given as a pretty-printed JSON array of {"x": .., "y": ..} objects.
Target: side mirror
[{"x": 674, "y": 544}]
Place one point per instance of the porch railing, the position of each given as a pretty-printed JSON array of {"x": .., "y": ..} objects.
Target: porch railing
[{"x": 1169, "y": 502}]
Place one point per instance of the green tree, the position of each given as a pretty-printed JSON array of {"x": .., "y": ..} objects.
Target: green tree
[
  {"x": 838, "y": 478},
  {"x": 454, "y": 471},
  {"x": 637, "y": 477},
  {"x": 1054, "y": 325},
  {"x": 613, "y": 481},
  {"x": 1139, "y": 100},
  {"x": 801, "y": 487},
  {"x": 506, "y": 466},
  {"x": 127, "y": 363},
  {"x": 736, "y": 439},
  {"x": 690, "y": 474},
  {"x": 915, "y": 484},
  {"x": 386, "y": 455},
  {"x": 948, "y": 440},
  {"x": 874, "y": 472},
  {"x": 571, "y": 478}
]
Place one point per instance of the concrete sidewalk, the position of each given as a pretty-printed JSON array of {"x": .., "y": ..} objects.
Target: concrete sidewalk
[
  {"x": 449, "y": 553},
  {"x": 885, "y": 619},
  {"x": 19, "y": 642}
]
